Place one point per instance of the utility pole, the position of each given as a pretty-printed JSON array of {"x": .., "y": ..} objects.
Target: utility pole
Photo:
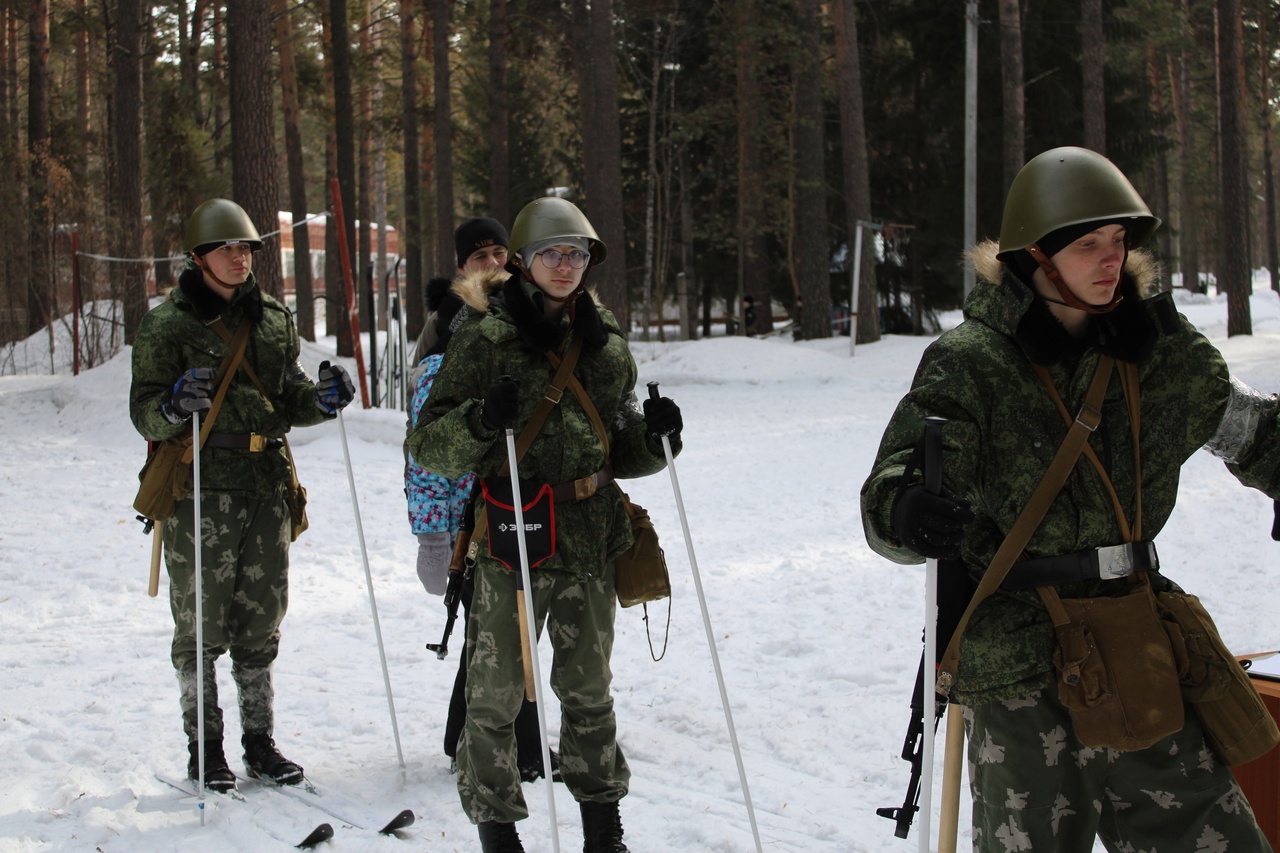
[{"x": 970, "y": 136}]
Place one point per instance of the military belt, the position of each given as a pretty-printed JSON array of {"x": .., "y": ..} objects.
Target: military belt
[
  {"x": 584, "y": 487},
  {"x": 239, "y": 441},
  {"x": 1113, "y": 561}
]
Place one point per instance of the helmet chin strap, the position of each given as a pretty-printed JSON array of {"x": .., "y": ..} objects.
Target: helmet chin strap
[
  {"x": 1069, "y": 299},
  {"x": 204, "y": 268}
]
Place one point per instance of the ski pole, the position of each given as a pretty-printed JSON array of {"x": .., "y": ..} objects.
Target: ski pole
[
  {"x": 525, "y": 607},
  {"x": 932, "y": 471},
  {"x": 706, "y": 623},
  {"x": 198, "y": 537},
  {"x": 368, "y": 577}
]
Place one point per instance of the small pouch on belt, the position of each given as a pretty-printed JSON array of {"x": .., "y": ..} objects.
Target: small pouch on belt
[{"x": 539, "y": 515}]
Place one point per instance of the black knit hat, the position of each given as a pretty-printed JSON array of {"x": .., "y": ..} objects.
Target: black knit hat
[
  {"x": 437, "y": 289},
  {"x": 477, "y": 233},
  {"x": 1024, "y": 266}
]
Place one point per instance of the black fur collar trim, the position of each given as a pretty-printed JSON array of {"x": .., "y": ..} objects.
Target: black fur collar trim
[
  {"x": 1126, "y": 333},
  {"x": 541, "y": 334},
  {"x": 208, "y": 305}
]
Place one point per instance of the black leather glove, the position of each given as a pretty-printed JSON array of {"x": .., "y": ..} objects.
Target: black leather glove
[
  {"x": 193, "y": 392},
  {"x": 500, "y": 405},
  {"x": 334, "y": 390},
  {"x": 662, "y": 417},
  {"x": 931, "y": 525}
]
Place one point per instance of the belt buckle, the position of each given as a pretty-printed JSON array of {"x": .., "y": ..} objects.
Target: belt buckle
[
  {"x": 1115, "y": 561},
  {"x": 257, "y": 443},
  {"x": 584, "y": 488}
]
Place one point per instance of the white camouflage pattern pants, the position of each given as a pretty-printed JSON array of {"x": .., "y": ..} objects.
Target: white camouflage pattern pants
[{"x": 1036, "y": 788}]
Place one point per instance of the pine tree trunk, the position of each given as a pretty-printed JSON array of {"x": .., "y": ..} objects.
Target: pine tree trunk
[
  {"x": 499, "y": 116},
  {"x": 411, "y": 239},
  {"x": 1012, "y": 91},
  {"x": 809, "y": 218},
  {"x": 602, "y": 157},
  {"x": 445, "y": 261},
  {"x": 1092, "y": 59},
  {"x": 752, "y": 276},
  {"x": 345, "y": 140},
  {"x": 1235, "y": 267},
  {"x": 254, "y": 182},
  {"x": 857, "y": 179},
  {"x": 41, "y": 305},
  {"x": 303, "y": 287}
]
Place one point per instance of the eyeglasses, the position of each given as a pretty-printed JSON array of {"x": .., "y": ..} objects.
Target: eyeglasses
[{"x": 551, "y": 258}]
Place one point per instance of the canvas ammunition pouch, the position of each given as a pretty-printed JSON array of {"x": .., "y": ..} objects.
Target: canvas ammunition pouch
[
  {"x": 1236, "y": 723},
  {"x": 1117, "y": 673},
  {"x": 641, "y": 571}
]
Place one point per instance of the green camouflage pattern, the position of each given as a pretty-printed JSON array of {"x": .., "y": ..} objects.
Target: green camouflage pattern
[
  {"x": 1035, "y": 787},
  {"x": 172, "y": 339},
  {"x": 1002, "y": 432},
  {"x": 578, "y": 617},
  {"x": 244, "y": 579},
  {"x": 450, "y": 440}
]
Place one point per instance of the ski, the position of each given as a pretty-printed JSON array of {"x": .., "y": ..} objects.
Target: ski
[
  {"x": 335, "y": 805},
  {"x": 320, "y": 834}
]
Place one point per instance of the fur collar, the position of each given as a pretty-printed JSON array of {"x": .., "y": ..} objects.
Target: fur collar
[
  {"x": 523, "y": 304},
  {"x": 1127, "y": 333},
  {"x": 208, "y": 306}
]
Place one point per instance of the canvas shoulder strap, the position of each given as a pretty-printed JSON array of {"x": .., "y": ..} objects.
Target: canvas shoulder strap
[
  {"x": 226, "y": 371},
  {"x": 1086, "y": 421}
]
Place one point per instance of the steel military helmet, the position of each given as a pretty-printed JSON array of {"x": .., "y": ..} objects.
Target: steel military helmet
[
  {"x": 1071, "y": 186},
  {"x": 551, "y": 217},
  {"x": 219, "y": 221}
]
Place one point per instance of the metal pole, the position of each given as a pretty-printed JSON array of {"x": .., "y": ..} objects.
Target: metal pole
[
  {"x": 706, "y": 623},
  {"x": 532, "y": 631},
  {"x": 932, "y": 470},
  {"x": 199, "y": 546},
  {"x": 368, "y": 577}
]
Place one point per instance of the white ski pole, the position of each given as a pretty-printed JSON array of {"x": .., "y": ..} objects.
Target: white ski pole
[
  {"x": 368, "y": 578},
  {"x": 706, "y": 622},
  {"x": 198, "y": 536},
  {"x": 532, "y": 631},
  {"x": 932, "y": 470}
]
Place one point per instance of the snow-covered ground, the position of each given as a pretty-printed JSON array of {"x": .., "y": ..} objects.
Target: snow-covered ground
[{"x": 818, "y": 637}]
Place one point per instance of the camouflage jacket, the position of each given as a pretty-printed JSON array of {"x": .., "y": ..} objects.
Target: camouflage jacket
[
  {"x": 508, "y": 335},
  {"x": 176, "y": 336},
  {"x": 1003, "y": 430}
]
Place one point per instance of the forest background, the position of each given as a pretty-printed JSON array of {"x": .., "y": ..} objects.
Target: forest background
[{"x": 722, "y": 148}]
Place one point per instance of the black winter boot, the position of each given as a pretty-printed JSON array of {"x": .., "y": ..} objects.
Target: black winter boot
[
  {"x": 264, "y": 761},
  {"x": 601, "y": 828},
  {"x": 499, "y": 838},
  {"x": 217, "y": 775}
]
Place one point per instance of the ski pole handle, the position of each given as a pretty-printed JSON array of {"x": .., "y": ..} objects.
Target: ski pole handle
[
  {"x": 933, "y": 454},
  {"x": 653, "y": 390}
]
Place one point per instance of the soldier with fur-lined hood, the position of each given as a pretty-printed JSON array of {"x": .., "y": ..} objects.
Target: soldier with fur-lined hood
[
  {"x": 437, "y": 503},
  {"x": 495, "y": 372},
  {"x": 1066, "y": 285}
]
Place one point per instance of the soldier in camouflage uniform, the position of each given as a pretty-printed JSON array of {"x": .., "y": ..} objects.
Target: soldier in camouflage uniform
[
  {"x": 1034, "y": 785},
  {"x": 495, "y": 373},
  {"x": 244, "y": 473}
]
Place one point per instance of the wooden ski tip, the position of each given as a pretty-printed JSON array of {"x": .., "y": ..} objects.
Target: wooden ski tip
[
  {"x": 400, "y": 821},
  {"x": 320, "y": 834}
]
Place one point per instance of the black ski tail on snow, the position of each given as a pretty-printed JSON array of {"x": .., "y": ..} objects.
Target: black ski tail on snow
[{"x": 320, "y": 834}]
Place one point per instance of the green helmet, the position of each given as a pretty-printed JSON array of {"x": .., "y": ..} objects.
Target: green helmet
[
  {"x": 1070, "y": 186},
  {"x": 219, "y": 221},
  {"x": 547, "y": 218}
]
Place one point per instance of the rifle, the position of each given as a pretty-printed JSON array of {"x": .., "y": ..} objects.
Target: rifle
[
  {"x": 954, "y": 591},
  {"x": 458, "y": 564}
]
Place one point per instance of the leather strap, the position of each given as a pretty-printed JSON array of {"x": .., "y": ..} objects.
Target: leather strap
[
  {"x": 1086, "y": 421},
  {"x": 226, "y": 370},
  {"x": 583, "y": 487}
]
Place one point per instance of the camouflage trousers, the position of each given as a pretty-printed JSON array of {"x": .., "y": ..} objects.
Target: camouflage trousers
[
  {"x": 1036, "y": 788},
  {"x": 245, "y": 592},
  {"x": 578, "y": 617}
]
